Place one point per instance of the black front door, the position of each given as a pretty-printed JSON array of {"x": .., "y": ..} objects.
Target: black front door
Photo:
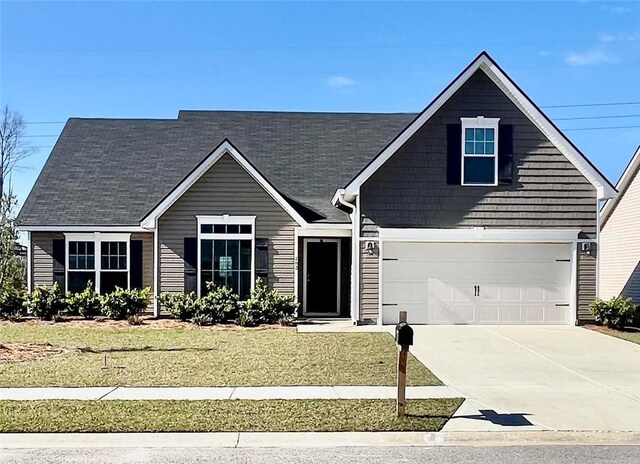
[{"x": 322, "y": 277}]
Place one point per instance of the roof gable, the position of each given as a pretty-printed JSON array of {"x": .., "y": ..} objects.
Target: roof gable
[
  {"x": 225, "y": 148},
  {"x": 629, "y": 175},
  {"x": 486, "y": 64}
]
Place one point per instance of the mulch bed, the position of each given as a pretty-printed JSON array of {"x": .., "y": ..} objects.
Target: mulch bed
[
  {"x": 28, "y": 351},
  {"x": 147, "y": 322}
]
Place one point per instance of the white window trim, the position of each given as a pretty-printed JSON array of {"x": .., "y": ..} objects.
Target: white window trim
[
  {"x": 226, "y": 219},
  {"x": 97, "y": 238},
  {"x": 480, "y": 122}
]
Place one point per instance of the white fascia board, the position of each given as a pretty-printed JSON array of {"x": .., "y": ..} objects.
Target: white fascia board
[
  {"x": 224, "y": 148},
  {"x": 479, "y": 234},
  {"x": 82, "y": 229},
  {"x": 625, "y": 180},
  {"x": 490, "y": 68}
]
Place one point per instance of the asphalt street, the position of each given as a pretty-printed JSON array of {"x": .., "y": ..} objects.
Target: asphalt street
[{"x": 369, "y": 455}]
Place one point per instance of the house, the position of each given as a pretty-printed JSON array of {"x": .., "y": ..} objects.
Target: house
[
  {"x": 620, "y": 248},
  {"x": 477, "y": 210}
]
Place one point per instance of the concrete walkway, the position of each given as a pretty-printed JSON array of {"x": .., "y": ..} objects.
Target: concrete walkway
[{"x": 220, "y": 393}]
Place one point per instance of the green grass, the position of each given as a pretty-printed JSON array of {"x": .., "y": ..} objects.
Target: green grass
[
  {"x": 190, "y": 356},
  {"x": 226, "y": 415},
  {"x": 631, "y": 335}
]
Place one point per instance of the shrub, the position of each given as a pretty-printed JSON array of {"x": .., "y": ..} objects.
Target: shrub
[
  {"x": 267, "y": 306},
  {"x": 202, "y": 319},
  {"x": 616, "y": 313},
  {"x": 121, "y": 303},
  {"x": 134, "y": 320},
  {"x": 180, "y": 305},
  {"x": 11, "y": 304},
  {"x": 220, "y": 304},
  {"x": 46, "y": 302},
  {"x": 87, "y": 303}
]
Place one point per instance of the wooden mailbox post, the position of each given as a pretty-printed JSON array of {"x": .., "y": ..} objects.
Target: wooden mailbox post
[{"x": 404, "y": 339}]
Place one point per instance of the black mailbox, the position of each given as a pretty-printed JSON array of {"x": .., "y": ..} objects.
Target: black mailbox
[{"x": 404, "y": 334}]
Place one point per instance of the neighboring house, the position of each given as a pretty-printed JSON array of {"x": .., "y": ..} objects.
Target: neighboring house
[
  {"x": 473, "y": 211},
  {"x": 620, "y": 244}
]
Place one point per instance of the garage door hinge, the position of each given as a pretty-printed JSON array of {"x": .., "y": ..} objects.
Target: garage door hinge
[{"x": 389, "y": 259}]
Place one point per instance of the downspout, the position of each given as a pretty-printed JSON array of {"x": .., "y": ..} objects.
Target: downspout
[
  {"x": 156, "y": 264},
  {"x": 339, "y": 200},
  {"x": 598, "y": 200},
  {"x": 29, "y": 263}
]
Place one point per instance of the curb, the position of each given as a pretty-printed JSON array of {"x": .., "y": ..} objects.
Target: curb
[{"x": 313, "y": 439}]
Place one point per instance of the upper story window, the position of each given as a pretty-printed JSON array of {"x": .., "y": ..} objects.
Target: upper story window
[{"x": 479, "y": 151}]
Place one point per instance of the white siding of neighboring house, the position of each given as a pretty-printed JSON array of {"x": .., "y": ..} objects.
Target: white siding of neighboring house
[{"x": 620, "y": 246}]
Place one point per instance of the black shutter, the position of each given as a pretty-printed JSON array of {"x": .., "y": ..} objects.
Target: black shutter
[
  {"x": 135, "y": 264},
  {"x": 454, "y": 154},
  {"x": 190, "y": 264},
  {"x": 505, "y": 154},
  {"x": 58, "y": 255},
  {"x": 262, "y": 259}
]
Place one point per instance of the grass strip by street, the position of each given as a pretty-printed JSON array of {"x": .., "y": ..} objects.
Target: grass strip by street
[
  {"x": 224, "y": 416},
  {"x": 630, "y": 335},
  {"x": 192, "y": 356}
]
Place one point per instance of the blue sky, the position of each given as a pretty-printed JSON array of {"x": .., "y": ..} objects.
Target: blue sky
[{"x": 151, "y": 59}]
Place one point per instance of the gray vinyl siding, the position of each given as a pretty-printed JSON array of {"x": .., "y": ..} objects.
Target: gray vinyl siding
[
  {"x": 42, "y": 257},
  {"x": 411, "y": 190},
  {"x": 226, "y": 188},
  {"x": 369, "y": 278},
  {"x": 586, "y": 285}
]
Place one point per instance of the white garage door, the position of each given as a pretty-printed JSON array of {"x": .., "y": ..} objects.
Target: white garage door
[{"x": 476, "y": 283}]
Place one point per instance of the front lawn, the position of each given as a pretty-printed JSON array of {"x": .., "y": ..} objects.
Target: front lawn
[
  {"x": 631, "y": 335},
  {"x": 227, "y": 415},
  {"x": 185, "y": 355}
]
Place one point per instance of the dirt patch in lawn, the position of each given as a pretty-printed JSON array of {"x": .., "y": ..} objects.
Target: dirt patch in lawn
[{"x": 28, "y": 351}]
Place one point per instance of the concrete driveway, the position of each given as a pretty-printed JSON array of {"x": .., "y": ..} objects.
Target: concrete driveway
[{"x": 535, "y": 377}]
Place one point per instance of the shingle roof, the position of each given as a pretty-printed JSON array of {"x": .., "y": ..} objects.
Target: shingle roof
[{"x": 114, "y": 171}]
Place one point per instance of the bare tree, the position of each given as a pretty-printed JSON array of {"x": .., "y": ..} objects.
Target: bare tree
[{"x": 13, "y": 149}]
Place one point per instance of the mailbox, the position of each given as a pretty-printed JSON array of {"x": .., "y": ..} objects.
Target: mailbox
[{"x": 404, "y": 334}]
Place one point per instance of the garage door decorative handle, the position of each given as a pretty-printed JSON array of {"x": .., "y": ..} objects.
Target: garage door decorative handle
[{"x": 476, "y": 290}]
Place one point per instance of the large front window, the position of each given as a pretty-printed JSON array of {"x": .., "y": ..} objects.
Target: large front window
[
  {"x": 98, "y": 258},
  {"x": 480, "y": 151},
  {"x": 226, "y": 253}
]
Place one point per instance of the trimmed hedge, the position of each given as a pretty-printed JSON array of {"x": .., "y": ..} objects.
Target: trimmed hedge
[
  {"x": 49, "y": 303},
  {"x": 264, "y": 306}
]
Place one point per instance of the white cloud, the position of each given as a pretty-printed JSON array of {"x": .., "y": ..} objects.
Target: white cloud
[
  {"x": 606, "y": 38},
  {"x": 619, "y": 10},
  {"x": 340, "y": 82},
  {"x": 593, "y": 57},
  {"x": 621, "y": 37}
]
